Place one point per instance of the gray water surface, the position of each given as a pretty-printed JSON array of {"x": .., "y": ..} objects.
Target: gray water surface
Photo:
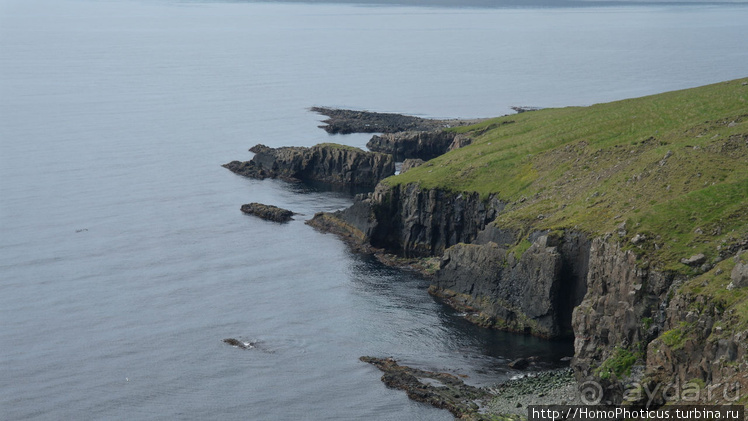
[{"x": 124, "y": 258}]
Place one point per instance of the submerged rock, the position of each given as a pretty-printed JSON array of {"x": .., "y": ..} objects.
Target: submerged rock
[
  {"x": 239, "y": 344},
  {"x": 268, "y": 212}
]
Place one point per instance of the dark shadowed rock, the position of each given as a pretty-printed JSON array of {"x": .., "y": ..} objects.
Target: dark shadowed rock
[
  {"x": 327, "y": 163},
  {"x": 531, "y": 292},
  {"x": 268, "y": 212},
  {"x": 239, "y": 344},
  {"x": 519, "y": 364}
]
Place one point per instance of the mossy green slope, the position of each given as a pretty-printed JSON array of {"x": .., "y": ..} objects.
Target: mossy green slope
[{"x": 673, "y": 166}]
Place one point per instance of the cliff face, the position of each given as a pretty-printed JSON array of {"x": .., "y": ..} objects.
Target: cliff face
[
  {"x": 555, "y": 284},
  {"x": 703, "y": 349},
  {"x": 423, "y": 222},
  {"x": 618, "y": 316},
  {"x": 530, "y": 291},
  {"x": 548, "y": 252},
  {"x": 417, "y": 145},
  {"x": 328, "y": 163}
]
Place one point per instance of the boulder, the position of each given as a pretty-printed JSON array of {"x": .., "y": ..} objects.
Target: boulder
[
  {"x": 695, "y": 260},
  {"x": 268, "y": 212}
]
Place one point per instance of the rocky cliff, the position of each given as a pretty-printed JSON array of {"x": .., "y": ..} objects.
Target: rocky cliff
[
  {"x": 413, "y": 221},
  {"x": 621, "y": 224},
  {"x": 328, "y": 163},
  {"x": 423, "y": 145},
  {"x": 530, "y": 290}
]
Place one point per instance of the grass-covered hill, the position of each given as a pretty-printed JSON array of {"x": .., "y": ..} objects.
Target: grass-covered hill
[{"x": 673, "y": 167}]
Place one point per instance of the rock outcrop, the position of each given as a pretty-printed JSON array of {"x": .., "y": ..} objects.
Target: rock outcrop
[
  {"x": 442, "y": 390},
  {"x": 268, "y": 212},
  {"x": 530, "y": 291},
  {"x": 619, "y": 313},
  {"x": 413, "y": 221},
  {"x": 423, "y": 145},
  {"x": 327, "y": 163},
  {"x": 410, "y": 164},
  {"x": 352, "y": 121}
]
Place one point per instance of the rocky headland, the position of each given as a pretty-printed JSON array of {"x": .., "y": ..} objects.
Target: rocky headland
[
  {"x": 623, "y": 226},
  {"x": 559, "y": 223},
  {"x": 327, "y": 163},
  {"x": 341, "y": 121}
]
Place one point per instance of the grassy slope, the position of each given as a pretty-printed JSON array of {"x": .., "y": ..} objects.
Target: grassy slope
[{"x": 592, "y": 168}]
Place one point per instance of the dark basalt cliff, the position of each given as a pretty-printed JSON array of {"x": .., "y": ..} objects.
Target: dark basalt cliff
[
  {"x": 424, "y": 222},
  {"x": 559, "y": 224},
  {"x": 423, "y": 145},
  {"x": 327, "y": 163},
  {"x": 531, "y": 292},
  {"x": 561, "y": 284}
]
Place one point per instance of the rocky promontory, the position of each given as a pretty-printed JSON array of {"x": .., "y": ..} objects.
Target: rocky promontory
[
  {"x": 341, "y": 121},
  {"x": 327, "y": 163},
  {"x": 560, "y": 223},
  {"x": 268, "y": 212}
]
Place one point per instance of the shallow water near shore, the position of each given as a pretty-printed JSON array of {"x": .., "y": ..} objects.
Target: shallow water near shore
[{"x": 124, "y": 258}]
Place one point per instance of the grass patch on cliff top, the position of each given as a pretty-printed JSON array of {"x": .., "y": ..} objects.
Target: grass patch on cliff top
[{"x": 672, "y": 165}]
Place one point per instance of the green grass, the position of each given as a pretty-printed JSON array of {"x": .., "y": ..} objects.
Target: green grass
[
  {"x": 675, "y": 338},
  {"x": 618, "y": 364},
  {"x": 342, "y": 147},
  {"x": 591, "y": 168}
]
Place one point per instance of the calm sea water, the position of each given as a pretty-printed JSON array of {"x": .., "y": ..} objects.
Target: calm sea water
[{"x": 124, "y": 258}]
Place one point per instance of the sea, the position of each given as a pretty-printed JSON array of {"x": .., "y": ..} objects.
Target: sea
[{"x": 125, "y": 260}]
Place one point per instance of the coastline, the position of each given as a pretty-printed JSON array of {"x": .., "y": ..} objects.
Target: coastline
[{"x": 537, "y": 260}]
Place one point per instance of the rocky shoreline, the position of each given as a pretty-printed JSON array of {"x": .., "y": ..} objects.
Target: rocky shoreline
[
  {"x": 605, "y": 271},
  {"x": 506, "y": 401}
]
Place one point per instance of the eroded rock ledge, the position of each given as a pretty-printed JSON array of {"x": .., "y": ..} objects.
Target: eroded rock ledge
[
  {"x": 351, "y": 121},
  {"x": 442, "y": 390},
  {"x": 327, "y": 163}
]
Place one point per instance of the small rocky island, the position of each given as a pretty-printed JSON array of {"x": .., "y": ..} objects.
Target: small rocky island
[{"x": 268, "y": 212}]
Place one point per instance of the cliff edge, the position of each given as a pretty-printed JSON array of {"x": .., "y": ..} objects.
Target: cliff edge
[{"x": 623, "y": 225}]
